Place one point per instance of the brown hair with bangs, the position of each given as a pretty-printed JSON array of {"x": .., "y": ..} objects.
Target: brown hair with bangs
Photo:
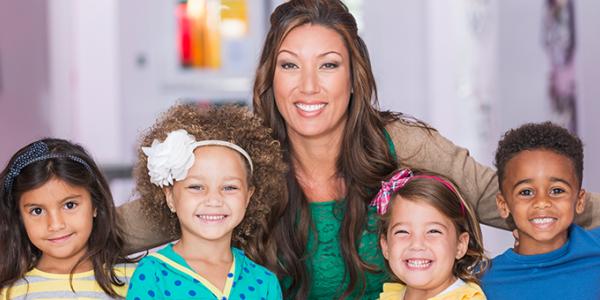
[{"x": 454, "y": 207}]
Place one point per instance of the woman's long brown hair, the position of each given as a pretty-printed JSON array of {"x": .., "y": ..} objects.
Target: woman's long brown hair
[{"x": 364, "y": 157}]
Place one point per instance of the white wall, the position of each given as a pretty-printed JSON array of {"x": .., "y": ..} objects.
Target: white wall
[{"x": 23, "y": 75}]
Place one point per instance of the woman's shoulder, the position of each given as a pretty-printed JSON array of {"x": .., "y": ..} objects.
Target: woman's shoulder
[{"x": 407, "y": 128}]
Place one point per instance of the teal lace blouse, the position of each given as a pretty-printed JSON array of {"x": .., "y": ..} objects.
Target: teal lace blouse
[{"x": 326, "y": 264}]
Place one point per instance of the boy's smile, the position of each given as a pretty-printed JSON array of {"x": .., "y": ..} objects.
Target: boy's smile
[{"x": 542, "y": 193}]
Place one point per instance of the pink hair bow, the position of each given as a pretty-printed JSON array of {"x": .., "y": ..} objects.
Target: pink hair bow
[{"x": 383, "y": 198}]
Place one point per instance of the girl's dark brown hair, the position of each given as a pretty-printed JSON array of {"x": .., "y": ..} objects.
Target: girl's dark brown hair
[
  {"x": 364, "y": 158},
  {"x": 105, "y": 243},
  {"x": 452, "y": 205},
  {"x": 236, "y": 125}
]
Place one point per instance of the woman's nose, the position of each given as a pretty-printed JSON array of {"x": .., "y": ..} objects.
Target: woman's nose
[{"x": 309, "y": 81}]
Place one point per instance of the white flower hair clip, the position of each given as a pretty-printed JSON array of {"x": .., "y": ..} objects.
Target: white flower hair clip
[{"x": 171, "y": 159}]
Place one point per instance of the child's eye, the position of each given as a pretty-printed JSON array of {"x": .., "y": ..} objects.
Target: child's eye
[
  {"x": 557, "y": 191},
  {"x": 329, "y": 66},
  {"x": 36, "y": 211},
  {"x": 230, "y": 188},
  {"x": 401, "y": 232},
  {"x": 288, "y": 66},
  {"x": 434, "y": 231},
  {"x": 526, "y": 193},
  {"x": 196, "y": 187},
  {"x": 70, "y": 205}
]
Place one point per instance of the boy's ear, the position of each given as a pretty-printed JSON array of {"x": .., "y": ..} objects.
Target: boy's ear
[
  {"x": 463, "y": 245},
  {"x": 384, "y": 247},
  {"x": 502, "y": 206},
  {"x": 168, "y": 191},
  {"x": 580, "y": 203}
]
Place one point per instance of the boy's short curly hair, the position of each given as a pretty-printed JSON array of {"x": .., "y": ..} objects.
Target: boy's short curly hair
[
  {"x": 228, "y": 123},
  {"x": 539, "y": 136}
]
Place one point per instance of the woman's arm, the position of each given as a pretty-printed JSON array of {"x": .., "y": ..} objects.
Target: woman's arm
[
  {"x": 419, "y": 148},
  {"x": 140, "y": 232}
]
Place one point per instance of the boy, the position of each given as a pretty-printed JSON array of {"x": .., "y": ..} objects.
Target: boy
[{"x": 540, "y": 171}]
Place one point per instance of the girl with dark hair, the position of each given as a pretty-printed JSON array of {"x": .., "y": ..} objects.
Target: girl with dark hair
[
  {"x": 58, "y": 226},
  {"x": 430, "y": 238}
]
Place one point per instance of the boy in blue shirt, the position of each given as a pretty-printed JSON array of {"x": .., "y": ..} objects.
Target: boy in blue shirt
[{"x": 540, "y": 171}]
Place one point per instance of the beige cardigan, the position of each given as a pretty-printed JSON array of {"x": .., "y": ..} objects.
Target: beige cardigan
[{"x": 415, "y": 148}]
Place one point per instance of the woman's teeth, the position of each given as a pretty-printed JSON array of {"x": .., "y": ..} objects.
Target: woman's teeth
[{"x": 310, "y": 107}]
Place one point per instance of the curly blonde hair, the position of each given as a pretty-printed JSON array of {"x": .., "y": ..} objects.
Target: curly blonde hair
[{"x": 236, "y": 125}]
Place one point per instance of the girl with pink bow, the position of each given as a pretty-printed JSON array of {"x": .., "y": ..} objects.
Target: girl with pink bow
[{"x": 430, "y": 238}]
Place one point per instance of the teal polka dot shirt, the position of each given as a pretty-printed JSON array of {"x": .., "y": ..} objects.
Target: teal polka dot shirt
[{"x": 166, "y": 275}]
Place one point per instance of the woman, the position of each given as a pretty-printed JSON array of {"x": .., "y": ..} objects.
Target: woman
[{"x": 315, "y": 88}]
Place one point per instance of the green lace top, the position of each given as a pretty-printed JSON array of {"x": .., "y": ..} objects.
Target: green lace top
[{"x": 326, "y": 264}]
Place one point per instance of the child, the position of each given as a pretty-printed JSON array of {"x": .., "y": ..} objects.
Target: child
[
  {"x": 430, "y": 237},
  {"x": 206, "y": 170},
  {"x": 540, "y": 171},
  {"x": 58, "y": 227}
]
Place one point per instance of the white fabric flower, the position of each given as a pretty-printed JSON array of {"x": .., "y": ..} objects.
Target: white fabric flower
[{"x": 171, "y": 159}]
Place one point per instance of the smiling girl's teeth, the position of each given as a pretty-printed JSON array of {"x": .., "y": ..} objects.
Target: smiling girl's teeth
[
  {"x": 418, "y": 263},
  {"x": 212, "y": 217},
  {"x": 542, "y": 220},
  {"x": 309, "y": 107}
]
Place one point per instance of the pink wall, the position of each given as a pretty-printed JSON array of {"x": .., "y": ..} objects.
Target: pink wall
[{"x": 23, "y": 74}]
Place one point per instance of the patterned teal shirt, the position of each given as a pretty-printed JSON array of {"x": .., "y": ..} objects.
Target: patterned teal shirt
[{"x": 166, "y": 275}]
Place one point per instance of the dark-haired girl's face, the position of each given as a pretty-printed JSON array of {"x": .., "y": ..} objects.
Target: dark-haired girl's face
[
  {"x": 312, "y": 81},
  {"x": 58, "y": 218}
]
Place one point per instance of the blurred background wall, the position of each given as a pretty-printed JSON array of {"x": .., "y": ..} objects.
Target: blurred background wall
[{"x": 99, "y": 72}]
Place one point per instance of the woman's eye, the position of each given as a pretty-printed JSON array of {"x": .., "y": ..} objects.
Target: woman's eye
[
  {"x": 36, "y": 211},
  {"x": 288, "y": 66},
  {"x": 329, "y": 66},
  {"x": 70, "y": 205}
]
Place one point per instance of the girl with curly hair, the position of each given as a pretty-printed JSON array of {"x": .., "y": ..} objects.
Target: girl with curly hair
[
  {"x": 430, "y": 238},
  {"x": 213, "y": 175}
]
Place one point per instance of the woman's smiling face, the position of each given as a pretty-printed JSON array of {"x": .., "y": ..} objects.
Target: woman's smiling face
[{"x": 312, "y": 82}]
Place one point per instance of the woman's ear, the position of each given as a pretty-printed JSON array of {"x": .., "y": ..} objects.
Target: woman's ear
[
  {"x": 462, "y": 245},
  {"x": 168, "y": 191}
]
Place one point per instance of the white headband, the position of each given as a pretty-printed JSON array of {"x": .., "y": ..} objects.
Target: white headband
[{"x": 171, "y": 159}]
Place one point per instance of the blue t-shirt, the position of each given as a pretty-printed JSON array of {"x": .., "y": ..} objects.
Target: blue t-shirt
[
  {"x": 570, "y": 272},
  {"x": 166, "y": 275}
]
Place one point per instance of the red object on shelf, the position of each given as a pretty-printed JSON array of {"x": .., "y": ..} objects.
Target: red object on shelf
[{"x": 184, "y": 36}]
